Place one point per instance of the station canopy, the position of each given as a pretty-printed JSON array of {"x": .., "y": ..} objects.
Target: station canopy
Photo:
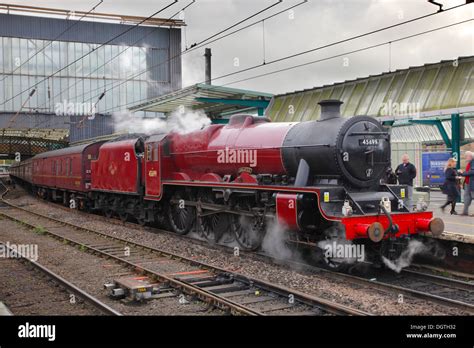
[
  {"x": 432, "y": 90},
  {"x": 215, "y": 101},
  {"x": 405, "y": 132}
]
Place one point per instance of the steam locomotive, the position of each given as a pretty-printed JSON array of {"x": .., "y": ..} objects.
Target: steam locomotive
[{"x": 319, "y": 180}]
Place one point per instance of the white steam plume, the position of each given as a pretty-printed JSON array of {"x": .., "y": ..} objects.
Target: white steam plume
[
  {"x": 182, "y": 121},
  {"x": 406, "y": 257},
  {"x": 274, "y": 242}
]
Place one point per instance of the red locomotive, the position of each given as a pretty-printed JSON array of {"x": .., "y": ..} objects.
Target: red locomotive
[{"x": 319, "y": 179}]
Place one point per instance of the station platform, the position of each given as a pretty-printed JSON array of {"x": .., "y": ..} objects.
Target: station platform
[
  {"x": 457, "y": 227},
  {"x": 4, "y": 311}
]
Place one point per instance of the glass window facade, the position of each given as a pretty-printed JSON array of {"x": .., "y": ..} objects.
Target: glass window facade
[{"x": 81, "y": 82}]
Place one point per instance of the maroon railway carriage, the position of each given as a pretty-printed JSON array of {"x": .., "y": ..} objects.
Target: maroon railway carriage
[
  {"x": 61, "y": 174},
  {"x": 22, "y": 171},
  {"x": 320, "y": 180}
]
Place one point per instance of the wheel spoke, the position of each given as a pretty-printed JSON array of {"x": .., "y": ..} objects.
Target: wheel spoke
[
  {"x": 247, "y": 230},
  {"x": 181, "y": 218}
]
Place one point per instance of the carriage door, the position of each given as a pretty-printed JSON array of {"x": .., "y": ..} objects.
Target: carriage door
[{"x": 152, "y": 170}]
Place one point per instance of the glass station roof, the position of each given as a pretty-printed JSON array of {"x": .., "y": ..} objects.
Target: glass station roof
[{"x": 432, "y": 89}]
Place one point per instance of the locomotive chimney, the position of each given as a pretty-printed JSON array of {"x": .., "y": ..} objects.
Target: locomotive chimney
[
  {"x": 207, "y": 56},
  {"x": 330, "y": 108}
]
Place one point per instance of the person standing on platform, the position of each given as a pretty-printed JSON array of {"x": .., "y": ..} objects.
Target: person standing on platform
[
  {"x": 450, "y": 187},
  {"x": 468, "y": 181},
  {"x": 406, "y": 172}
]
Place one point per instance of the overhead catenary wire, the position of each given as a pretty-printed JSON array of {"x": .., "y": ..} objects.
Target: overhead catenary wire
[
  {"x": 191, "y": 49},
  {"x": 12, "y": 120},
  {"x": 54, "y": 39},
  {"x": 331, "y": 44},
  {"x": 236, "y": 24},
  {"x": 200, "y": 44},
  {"x": 333, "y": 56},
  {"x": 93, "y": 50},
  {"x": 346, "y": 53},
  {"x": 187, "y": 50},
  {"x": 77, "y": 80},
  {"x": 306, "y": 51},
  {"x": 93, "y": 108}
]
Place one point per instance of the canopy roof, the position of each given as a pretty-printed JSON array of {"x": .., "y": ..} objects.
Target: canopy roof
[
  {"x": 432, "y": 89},
  {"x": 197, "y": 97}
]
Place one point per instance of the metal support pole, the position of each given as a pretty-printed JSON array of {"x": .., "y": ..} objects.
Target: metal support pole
[
  {"x": 456, "y": 139},
  {"x": 456, "y": 142}
]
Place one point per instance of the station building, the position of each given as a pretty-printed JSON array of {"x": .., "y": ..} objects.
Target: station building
[{"x": 85, "y": 61}]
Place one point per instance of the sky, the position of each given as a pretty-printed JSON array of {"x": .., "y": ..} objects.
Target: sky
[{"x": 312, "y": 24}]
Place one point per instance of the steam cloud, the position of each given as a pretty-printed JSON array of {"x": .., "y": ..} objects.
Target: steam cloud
[
  {"x": 180, "y": 121},
  {"x": 274, "y": 242},
  {"x": 406, "y": 258}
]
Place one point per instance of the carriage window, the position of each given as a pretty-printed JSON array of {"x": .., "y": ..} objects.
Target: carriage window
[
  {"x": 139, "y": 148},
  {"x": 67, "y": 166},
  {"x": 166, "y": 147},
  {"x": 155, "y": 154},
  {"x": 70, "y": 166},
  {"x": 53, "y": 167},
  {"x": 149, "y": 149}
]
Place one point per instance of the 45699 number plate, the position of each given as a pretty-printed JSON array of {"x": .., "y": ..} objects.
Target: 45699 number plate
[{"x": 368, "y": 142}]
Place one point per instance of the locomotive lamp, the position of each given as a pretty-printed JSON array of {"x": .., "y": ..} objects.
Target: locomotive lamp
[
  {"x": 385, "y": 202},
  {"x": 347, "y": 209}
]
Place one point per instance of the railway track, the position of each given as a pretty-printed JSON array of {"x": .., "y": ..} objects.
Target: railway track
[
  {"x": 223, "y": 289},
  {"x": 458, "y": 291},
  {"x": 42, "y": 291},
  {"x": 441, "y": 290}
]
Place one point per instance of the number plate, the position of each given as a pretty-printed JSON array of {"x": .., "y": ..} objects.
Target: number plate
[{"x": 368, "y": 142}]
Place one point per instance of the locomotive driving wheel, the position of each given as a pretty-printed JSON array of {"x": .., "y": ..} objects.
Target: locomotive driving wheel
[
  {"x": 123, "y": 212},
  {"x": 108, "y": 213},
  {"x": 180, "y": 215},
  {"x": 248, "y": 230},
  {"x": 214, "y": 225},
  {"x": 123, "y": 216}
]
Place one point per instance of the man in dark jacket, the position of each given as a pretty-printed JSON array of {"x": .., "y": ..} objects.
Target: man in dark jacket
[
  {"x": 406, "y": 172},
  {"x": 468, "y": 182}
]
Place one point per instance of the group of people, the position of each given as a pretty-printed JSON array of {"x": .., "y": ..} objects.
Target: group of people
[
  {"x": 405, "y": 173},
  {"x": 452, "y": 184}
]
